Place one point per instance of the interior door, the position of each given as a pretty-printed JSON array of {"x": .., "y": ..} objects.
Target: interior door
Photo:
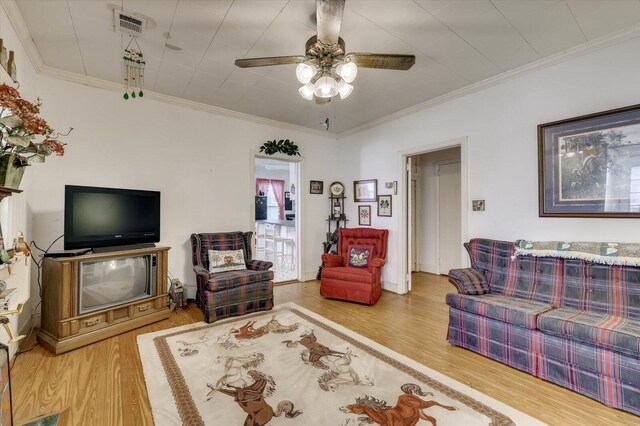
[
  {"x": 410, "y": 224},
  {"x": 414, "y": 223},
  {"x": 449, "y": 217}
]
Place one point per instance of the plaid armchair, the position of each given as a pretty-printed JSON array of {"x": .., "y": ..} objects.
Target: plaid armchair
[{"x": 230, "y": 293}]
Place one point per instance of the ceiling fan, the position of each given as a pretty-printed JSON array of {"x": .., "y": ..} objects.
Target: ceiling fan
[{"x": 326, "y": 70}]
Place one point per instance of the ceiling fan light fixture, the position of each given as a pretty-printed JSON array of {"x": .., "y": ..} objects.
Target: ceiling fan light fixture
[
  {"x": 305, "y": 72},
  {"x": 347, "y": 71},
  {"x": 326, "y": 87},
  {"x": 306, "y": 91},
  {"x": 344, "y": 89}
]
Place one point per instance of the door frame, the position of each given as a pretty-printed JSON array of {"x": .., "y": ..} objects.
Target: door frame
[
  {"x": 404, "y": 276},
  {"x": 438, "y": 165},
  {"x": 299, "y": 204}
]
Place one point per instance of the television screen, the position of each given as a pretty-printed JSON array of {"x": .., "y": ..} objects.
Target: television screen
[{"x": 100, "y": 217}]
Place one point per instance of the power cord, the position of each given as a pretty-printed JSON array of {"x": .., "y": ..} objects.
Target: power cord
[{"x": 39, "y": 281}]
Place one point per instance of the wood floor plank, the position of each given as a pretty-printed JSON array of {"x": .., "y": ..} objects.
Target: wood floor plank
[{"x": 103, "y": 383}]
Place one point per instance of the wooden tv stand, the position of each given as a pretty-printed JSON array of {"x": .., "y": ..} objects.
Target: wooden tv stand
[{"x": 64, "y": 329}]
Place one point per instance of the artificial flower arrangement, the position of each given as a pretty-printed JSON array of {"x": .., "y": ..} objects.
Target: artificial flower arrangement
[{"x": 25, "y": 138}]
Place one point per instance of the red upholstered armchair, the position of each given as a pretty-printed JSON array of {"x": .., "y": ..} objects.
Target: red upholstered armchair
[{"x": 341, "y": 281}]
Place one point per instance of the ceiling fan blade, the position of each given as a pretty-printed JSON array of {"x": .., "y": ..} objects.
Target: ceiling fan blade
[
  {"x": 273, "y": 60},
  {"x": 329, "y": 20},
  {"x": 322, "y": 101},
  {"x": 381, "y": 60}
]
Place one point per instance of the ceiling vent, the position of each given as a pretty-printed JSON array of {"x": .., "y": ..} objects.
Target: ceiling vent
[{"x": 128, "y": 24}]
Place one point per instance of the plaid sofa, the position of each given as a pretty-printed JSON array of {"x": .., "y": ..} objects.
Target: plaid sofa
[
  {"x": 572, "y": 322},
  {"x": 230, "y": 293}
]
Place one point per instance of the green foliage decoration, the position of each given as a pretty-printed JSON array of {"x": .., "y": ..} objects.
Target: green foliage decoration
[{"x": 284, "y": 146}]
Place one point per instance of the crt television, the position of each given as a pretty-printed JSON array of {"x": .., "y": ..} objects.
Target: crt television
[{"x": 102, "y": 217}]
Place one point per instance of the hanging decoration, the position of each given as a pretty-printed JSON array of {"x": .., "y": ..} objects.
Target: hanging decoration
[{"x": 133, "y": 70}]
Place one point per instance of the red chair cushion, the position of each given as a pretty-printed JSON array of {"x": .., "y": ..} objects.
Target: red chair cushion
[{"x": 348, "y": 274}]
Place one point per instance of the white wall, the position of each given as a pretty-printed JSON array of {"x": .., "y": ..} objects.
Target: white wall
[
  {"x": 500, "y": 123},
  {"x": 428, "y": 204},
  {"x": 200, "y": 162}
]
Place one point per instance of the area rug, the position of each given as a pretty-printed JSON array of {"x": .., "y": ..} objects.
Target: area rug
[{"x": 291, "y": 366}]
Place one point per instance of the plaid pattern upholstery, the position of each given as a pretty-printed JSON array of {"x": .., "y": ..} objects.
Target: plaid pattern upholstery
[
  {"x": 511, "y": 310},
  {"x": 570, "y": 283},
  {"x": 230, "y": 293},
  {"x": 596, "y": 360},
  {"x": 507, "y": 343},
  {"x": 259, "y": 265},
  {"x": 202, "y": 243},
  {"x": 607, "y": 376},
  {"x": 606, "y": 389},
  {"x": 595, "y": 328},
  {"x": 237, "y": 301},
  {"x": 586, "y": 334},
  {"x": 468, "y": 281},
  {"x": 231, "y": 279}
]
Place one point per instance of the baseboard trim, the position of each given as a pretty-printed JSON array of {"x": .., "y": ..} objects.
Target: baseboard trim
[{"x": 309, "y": 276}]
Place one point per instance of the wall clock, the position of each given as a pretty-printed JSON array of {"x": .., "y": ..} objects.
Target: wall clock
[{"x": 336, "y": 189}]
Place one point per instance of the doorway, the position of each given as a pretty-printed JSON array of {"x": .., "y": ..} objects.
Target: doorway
[
  {"x": 276, "y": 218},
  {"x": 435, "y": 212}
]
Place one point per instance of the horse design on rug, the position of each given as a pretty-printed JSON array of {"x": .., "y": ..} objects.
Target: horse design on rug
[
  {"x": 251, "y": 399},
  {"x": 341, "y": 373},
  {"x": 189, "y": 348},
  {"x": 234, "y": 367},
  {"x": 315, "y": 351},
  {"x": 407, "y": 411},
  {"x": 247, "y": 331},
  {"x": 243, "y": 336}
]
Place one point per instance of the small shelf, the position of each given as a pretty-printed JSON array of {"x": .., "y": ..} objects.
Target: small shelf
[{"x": 8, "y": 192}]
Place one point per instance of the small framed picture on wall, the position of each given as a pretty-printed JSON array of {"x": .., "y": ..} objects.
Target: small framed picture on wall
[
  {"x": 384, "y": 205},
  {"x": 364, "y": 215},
  {"x": 316, "y": 187},
  {"x": 365, "y": 190}
]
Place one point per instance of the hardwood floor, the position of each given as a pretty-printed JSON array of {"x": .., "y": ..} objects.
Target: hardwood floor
[{"x": 103, "y": 384}]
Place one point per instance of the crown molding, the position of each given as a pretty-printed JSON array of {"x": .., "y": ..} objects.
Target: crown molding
[
  {"x": 19, "y": 25},
  {"x": 557, "y": 58},
  {"x": 58, "y": 74}
]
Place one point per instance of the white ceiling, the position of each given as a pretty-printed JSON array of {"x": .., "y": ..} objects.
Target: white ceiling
[{"x": 456, "y": 43}]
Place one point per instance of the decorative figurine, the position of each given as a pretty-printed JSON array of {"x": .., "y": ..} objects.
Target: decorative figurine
[{"x": 21, "y": 246}]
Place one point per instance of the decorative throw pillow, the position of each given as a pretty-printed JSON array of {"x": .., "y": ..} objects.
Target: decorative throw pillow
[
  {"x": 360, "y": 256},
  {"x": 226, "y": 260},
  {"x": 469, "y": 281}
]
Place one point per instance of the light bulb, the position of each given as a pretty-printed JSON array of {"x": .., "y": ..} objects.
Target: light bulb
[
  {"x": 344, "y": 89},
  {"x": 305, "y": 72},
  {"x": 306, "y": 91},
  {"x": 326, "y": 87},
  {"x": 347, "y": 71}
]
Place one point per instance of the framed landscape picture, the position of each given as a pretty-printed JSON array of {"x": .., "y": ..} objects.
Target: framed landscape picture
[
  {"x": 589, "y": 166},
  {"x": 365, "y": 190},
  {"x": 384, "y": 205},
  {"x": 364, "y": 215}
]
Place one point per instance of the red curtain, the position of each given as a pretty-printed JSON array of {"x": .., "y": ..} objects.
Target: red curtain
[
  {"x": 278, "y": 191},
  {"x": 262, "y": 185}
]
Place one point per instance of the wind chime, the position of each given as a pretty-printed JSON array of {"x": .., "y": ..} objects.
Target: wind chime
[{"x": 133, "y": 70}]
